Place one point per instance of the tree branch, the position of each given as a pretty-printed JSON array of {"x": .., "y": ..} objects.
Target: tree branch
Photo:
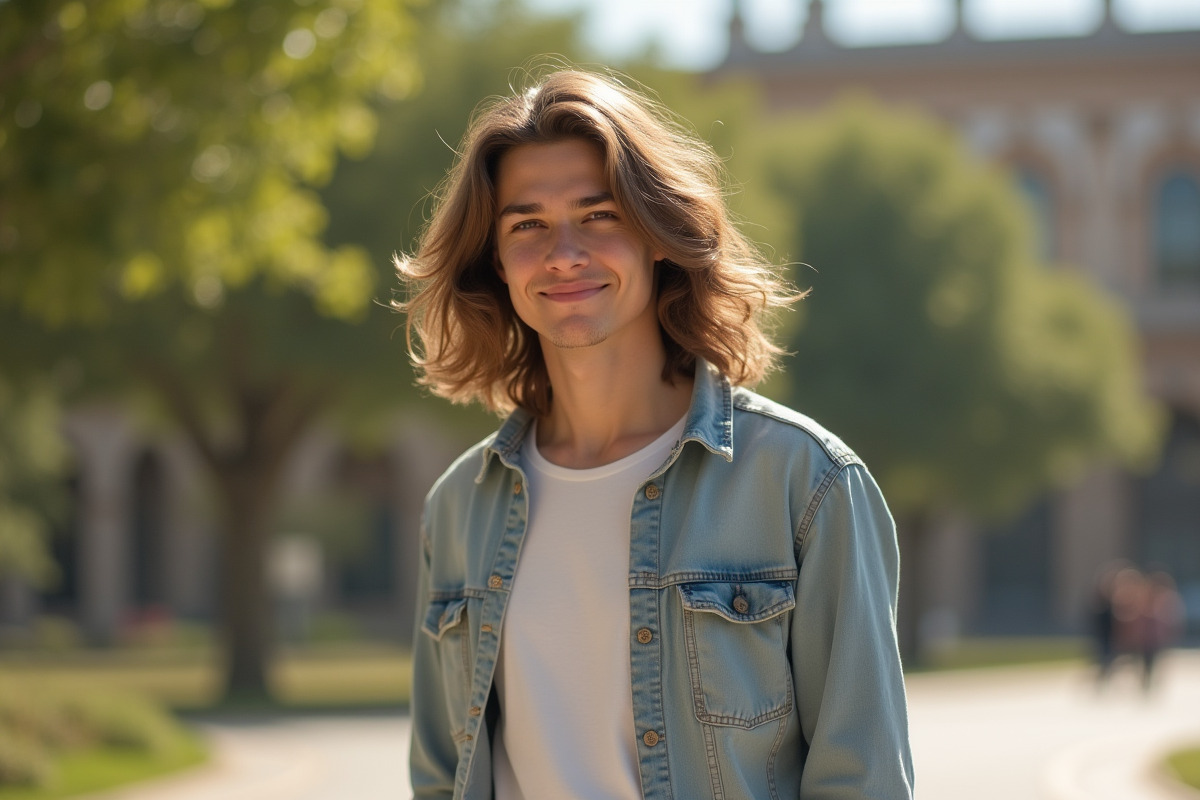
[{"x": 182, "y": 405}]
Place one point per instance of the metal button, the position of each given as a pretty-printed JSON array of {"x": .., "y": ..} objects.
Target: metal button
[
  {"x": 495, "y": 582},
  {"x": 650, "y": 738},
  {"x": 485, "y": 628},
  {"x": 475, "y": 711},
  {"x": 652, "y": 492},
  {"x": 741, "y": 604},
  {"x": 645, "y": 635},
  {"x": 517, "y": 487}
]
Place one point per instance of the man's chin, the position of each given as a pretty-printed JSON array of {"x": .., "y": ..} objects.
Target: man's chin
[{"x": 575, "y": 336}]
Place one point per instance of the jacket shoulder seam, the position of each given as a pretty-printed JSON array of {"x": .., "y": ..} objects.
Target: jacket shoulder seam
[
  {"x": 838, "y": 453},
  {"x": 814, "y": 505}
]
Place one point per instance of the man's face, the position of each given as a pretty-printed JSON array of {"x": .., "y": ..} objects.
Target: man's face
[{"x": 576, "y": 271}]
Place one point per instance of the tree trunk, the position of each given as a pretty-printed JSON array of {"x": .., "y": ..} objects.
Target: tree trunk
[
  {"x": 245, "y": 604},
  {"x": 246, "y": 461}
]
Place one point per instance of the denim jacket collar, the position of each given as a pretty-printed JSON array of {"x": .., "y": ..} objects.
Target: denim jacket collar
[{"x": 709, "y": 422}]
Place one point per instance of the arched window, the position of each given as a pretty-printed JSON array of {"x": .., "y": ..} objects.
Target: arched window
[
  {"x": 1177, "y": 229},
  {"x": 1040, "y": 200}
]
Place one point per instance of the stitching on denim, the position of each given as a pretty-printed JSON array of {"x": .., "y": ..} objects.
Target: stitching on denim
[
  {"x": 810, "y": 513},
  {"x": 649, "y": 580},
  {"x": 466, "y": 657},
  {"x": 705, "y": 606},
  {"x": 702, "y": 713},
  {"x": 836, "y": 453},
  {"x": 443, "y": 595},
  {"x": 771, "y": 783},
  {"x": 714, "y": 767},
  {"x": 693, "y": 657}
]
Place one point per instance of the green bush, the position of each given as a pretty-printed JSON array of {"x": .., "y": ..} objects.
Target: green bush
[
  {"x": 123, "y": 721},
  {"x": 38, "y": 728},
  {"x": 23, "y": 761}
]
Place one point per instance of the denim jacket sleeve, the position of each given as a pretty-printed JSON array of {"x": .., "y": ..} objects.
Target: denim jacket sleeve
[
  {"x": 433, "y": 755},
  {"x": 846, "y": 667}
]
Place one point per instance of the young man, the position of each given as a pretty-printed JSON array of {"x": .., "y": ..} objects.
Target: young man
[{"x": 650, "y": 582}]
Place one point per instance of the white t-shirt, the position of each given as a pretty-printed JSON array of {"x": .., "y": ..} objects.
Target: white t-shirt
[{"x": 566, "y": 721}]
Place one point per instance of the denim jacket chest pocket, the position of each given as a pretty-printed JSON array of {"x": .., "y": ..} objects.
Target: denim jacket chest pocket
[
  {"x": 737, "y": 649},
  {"x": 446, "y": 623}
]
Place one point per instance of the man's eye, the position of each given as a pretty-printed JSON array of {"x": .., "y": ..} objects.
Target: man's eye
[
  {"x": 525, "y": 225},
  {"x": 603, "y": 215}
]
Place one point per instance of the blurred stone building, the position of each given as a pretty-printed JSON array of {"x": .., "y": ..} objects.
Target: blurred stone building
[
  {"x": 138, "y": 554},
  {"x": 1102, "y": 136}
]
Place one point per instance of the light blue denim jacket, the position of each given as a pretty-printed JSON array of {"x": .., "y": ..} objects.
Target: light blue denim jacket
[{"x": 762, "y": 593}]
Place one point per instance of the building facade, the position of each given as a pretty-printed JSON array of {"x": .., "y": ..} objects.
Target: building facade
[
  {"x": 1101, "y": 133},
  {"x": 138, "y": 554}
]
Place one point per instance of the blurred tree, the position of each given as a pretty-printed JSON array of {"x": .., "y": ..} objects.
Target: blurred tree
[
  {"x": 160, "y": 223},
  {"x": 966, "y": 374},
  {"x": 33, "y": 459},
  {"x": 468, "y": 51}
]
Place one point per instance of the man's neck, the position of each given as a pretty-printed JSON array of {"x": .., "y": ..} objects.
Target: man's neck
[{"x": 607, "y": 405}]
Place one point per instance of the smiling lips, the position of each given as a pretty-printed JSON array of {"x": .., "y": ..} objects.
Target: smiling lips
[{"x": 571, "y": 292}]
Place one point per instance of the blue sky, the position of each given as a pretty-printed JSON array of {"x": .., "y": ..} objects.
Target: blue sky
[{"x": 691, "y": 34}]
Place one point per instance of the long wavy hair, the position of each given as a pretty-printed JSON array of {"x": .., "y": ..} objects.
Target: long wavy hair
[{"x": 465, "y": 339}]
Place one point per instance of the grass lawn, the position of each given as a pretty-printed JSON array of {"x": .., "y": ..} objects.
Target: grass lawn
[
  {"x": 1185, "y": 765},
  {"x": 328, "y": 677},
  {"x": 354, "y": 675},
  {"x": 96, "y": 770}
]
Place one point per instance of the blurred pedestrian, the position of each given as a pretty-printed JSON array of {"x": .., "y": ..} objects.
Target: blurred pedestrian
[
  {"x": 1128, "y": 600},
  {"x": 1159, "y": 622},
  {"x": 1104, "y": 620}
]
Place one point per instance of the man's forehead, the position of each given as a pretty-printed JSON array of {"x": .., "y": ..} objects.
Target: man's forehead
[{"x": 569, "y": 171}]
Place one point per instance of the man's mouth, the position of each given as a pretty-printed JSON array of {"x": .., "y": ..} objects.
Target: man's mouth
[{"x": 572, "y": 292}]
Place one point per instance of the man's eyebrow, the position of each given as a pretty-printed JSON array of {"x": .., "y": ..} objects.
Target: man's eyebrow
[
  {"x": 519, "y": 209},
  {"x": 594, "y": 200}
]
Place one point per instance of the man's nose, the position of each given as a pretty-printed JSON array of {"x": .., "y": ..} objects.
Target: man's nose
[{"x": 567, "y": 249}]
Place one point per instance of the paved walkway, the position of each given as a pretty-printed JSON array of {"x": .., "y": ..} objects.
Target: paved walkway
[
  {"x": 1029, "y": 733},
  {"x": 1047, "y": 733}
]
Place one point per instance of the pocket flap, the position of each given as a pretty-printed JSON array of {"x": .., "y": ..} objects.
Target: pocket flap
[
  {"x": 442, "y": 615},
  {"x": 739, "y": 602}
]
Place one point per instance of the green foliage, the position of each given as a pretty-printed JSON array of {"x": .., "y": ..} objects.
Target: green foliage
[
  {"x": 33, "y": 460},
  {"x": 161, "y": 223},
  {"x": 468, "y": 52},
  {"x": 965, "y": 373},
  {"x": 23, "y": 761},
  {"x": 145, "y": 144},
  {"x": 39, "y": 728}
]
